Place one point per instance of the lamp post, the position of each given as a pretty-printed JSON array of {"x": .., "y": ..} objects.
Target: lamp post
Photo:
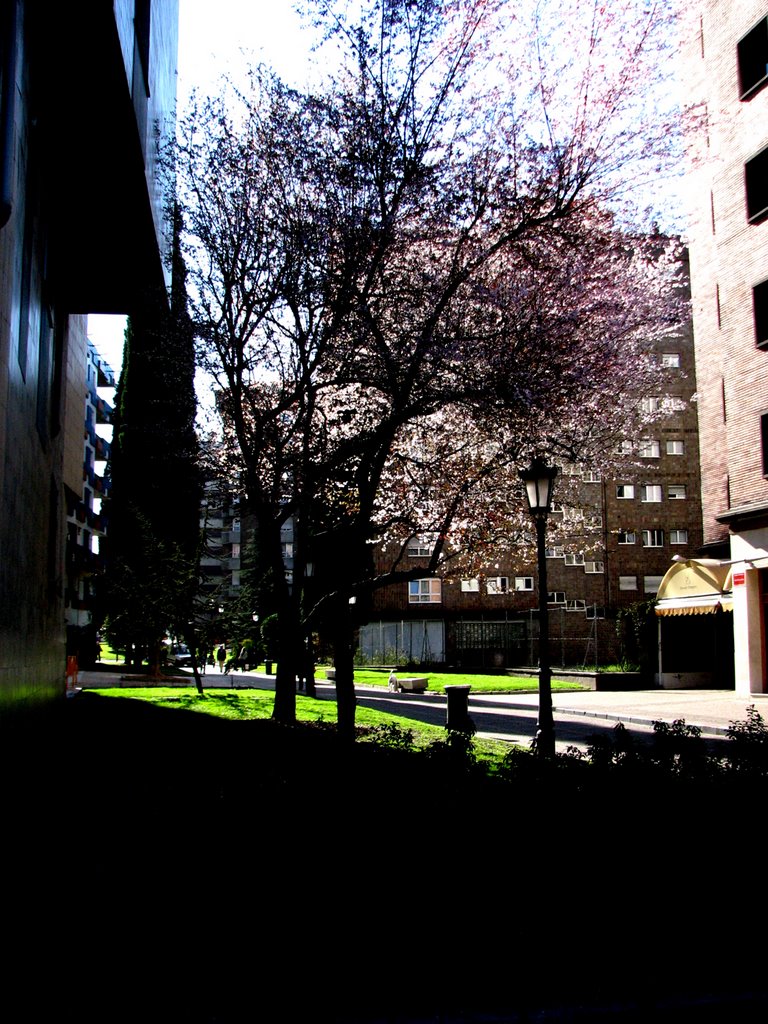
[{"x": 539, "y": 480}]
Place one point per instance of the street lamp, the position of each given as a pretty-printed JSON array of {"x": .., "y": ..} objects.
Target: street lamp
[{"x": 539, "y": 480}]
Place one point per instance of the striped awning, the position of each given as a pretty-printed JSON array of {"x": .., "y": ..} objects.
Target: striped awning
[{"x": 694, "y": 605}]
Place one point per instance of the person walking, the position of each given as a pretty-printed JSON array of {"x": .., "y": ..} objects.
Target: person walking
[{"x": 221, "y": 657}]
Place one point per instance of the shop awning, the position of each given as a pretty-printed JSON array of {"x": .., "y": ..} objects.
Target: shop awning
[
  {"x": 696, "y": 587},
  {"x": 693, "y": 606}
]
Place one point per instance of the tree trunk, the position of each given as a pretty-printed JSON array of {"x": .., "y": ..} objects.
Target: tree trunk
[
  {"x": 345, "y": 675},
  {"x": 153, "y": 658},
  {"x": 192, "y": 645},
  {"x": 287, "y": 665}
]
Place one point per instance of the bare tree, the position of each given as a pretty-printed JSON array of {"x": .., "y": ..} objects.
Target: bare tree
[{"x": 425, "y": 241}]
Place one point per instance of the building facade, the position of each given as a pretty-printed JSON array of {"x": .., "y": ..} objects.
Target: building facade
[
  {"x": 86, "y": 525},
  {"x": 726, "y": 74},
  {"x": 87, "y": 94}
]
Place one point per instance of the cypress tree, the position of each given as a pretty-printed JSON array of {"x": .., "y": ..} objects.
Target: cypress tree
[{"x": 155, "y": 490}]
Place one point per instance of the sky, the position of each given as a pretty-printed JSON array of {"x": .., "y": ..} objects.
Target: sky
[
  {"x": 217, "y": 37},
  {"x": 214, "y": 38}
]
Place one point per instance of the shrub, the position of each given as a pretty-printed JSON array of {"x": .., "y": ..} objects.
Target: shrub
[
  {"x": 392, "y": 736},
  {"x": 748, "y": 747}
]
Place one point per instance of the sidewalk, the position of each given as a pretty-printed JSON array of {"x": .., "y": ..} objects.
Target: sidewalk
[{"x": 711, "y": 710}]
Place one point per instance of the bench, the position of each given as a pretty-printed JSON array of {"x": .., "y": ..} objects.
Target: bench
[{"x": 416, "y": 684}]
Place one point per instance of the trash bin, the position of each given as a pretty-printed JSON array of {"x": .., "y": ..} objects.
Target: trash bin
[
  {"x": 268, "y": 667},
  {"x": 457, "y": 708}
]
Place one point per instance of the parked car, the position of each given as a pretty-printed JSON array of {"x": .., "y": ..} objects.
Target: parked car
[{"x": 180, "y": 657}]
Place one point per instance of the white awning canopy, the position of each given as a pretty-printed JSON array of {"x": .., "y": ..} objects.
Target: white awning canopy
[{"x": 696, "y": 587}]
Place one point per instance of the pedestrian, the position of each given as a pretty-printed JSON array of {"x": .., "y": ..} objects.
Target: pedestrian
[{"x": 221, "y": 657}]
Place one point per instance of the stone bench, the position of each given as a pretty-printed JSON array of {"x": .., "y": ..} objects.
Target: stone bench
[{"x": 416, "y": 684}]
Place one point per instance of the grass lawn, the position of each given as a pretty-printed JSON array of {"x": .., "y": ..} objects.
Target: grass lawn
[
  {"x": 480, "y": 683},
  {"x": 249, "y": 705}
]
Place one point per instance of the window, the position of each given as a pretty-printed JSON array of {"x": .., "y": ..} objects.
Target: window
[
  {"x": 556, "y": 597},
  {"x": 556, "y": 507},
  {"x": 752, "y": 55},
  {"x": 756, "y": 184},
  {"x": 424, "y": 591},
  {"x": 470, "y": 586},
  {"x": 653, "y": 538},
  {"x": 671, "y": 360},
  {"x": 627, "y": 582},
  {"x": 497, "y": 585},
  {"x": 624, "y": 448},
  {"x": 592, "y": 476},
  {"x": 675, "y": 447},
  {"x": 141, "y": 26},
  {"x": 625, "y": 490},
  {"x": 627, "y": 537},
  {"x": 595, "y": 611},
  {"x": 593, "y": 567},
  {"x": 556, "y": 552},
  {"x": 523, "y": 582},
  {"x": 676, "y": 492},
  {"x": 650, "y": 404},
  {"x": 650, "y": 492},
  {"x": 419, "y": 547},
  {"x": 574, "y": 559},
  {"x": 649, "y": 449},
  {"x": 236, "y": 551},
  {"x": 651, "y": 584},
  {"x": 577, "y": 605},
  {"x": 678, "y": 536},
  {"x": 760, "y": 309},
  {"x": 764, "y": 441}
]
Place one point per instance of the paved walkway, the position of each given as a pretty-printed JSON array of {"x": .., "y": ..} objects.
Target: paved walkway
[{"x": 579, "y": 715}]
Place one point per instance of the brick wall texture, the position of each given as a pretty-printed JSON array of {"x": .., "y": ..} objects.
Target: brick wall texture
[{"x": 729, "y": 256}]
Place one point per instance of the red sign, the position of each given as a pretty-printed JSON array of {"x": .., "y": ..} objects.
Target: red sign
[{"x": 739, "y": 579}]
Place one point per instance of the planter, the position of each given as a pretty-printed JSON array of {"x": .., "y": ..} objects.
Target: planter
[{"x": 416, "y": 684}]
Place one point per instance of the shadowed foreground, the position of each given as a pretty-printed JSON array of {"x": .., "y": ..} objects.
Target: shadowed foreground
[{"x": 163, "y": 865}]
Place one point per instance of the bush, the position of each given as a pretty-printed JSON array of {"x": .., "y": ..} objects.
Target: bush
[
  {"x": 392, "y": 736},
  {"x": 748, "y": 748}
]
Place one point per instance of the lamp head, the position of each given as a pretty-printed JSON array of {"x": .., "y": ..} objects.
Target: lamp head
[{"x": 539, "y": 481}]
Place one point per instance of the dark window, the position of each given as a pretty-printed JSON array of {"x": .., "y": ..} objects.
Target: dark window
[
  {"x": 756, "y": 181},
  {"x": 760, "y": 304},
  {"x": 753, "y": 60},
  {"x": 764, "y": 441}
]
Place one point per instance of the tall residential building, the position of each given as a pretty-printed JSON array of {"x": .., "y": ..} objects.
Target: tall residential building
[
  {"x": 87, "y": 95},
  {"x": 726, "y": 75}
]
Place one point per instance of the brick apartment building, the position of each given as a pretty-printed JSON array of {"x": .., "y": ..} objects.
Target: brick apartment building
[
  {"x": 612, "y": 543},
  {"x": 87, "y": 93},
  {"x": 726, "y": 74}
]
